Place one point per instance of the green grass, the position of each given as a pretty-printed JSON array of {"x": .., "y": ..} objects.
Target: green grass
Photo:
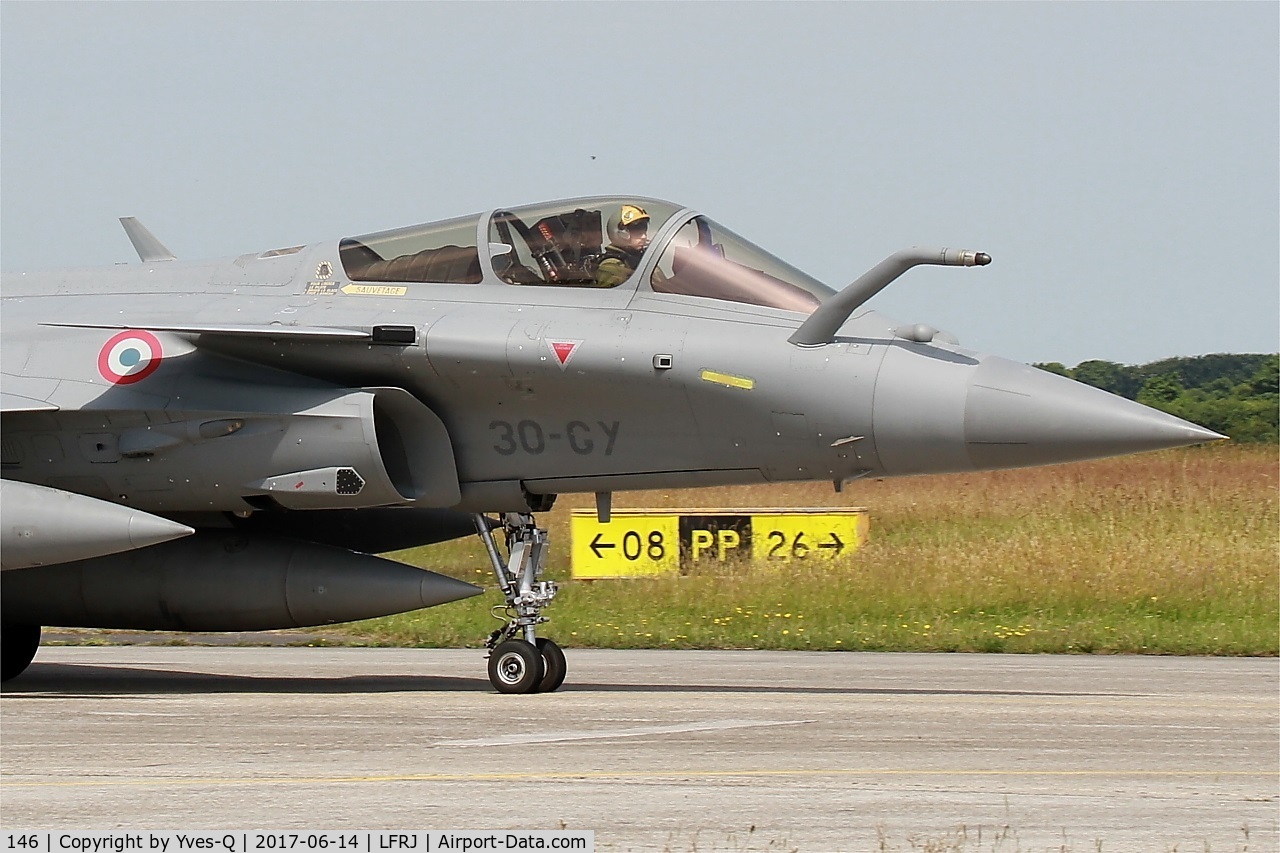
[{"x": 1166, "y": 553}]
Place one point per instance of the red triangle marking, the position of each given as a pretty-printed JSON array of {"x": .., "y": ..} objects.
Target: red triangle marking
[{"x": 562, "y": 349}]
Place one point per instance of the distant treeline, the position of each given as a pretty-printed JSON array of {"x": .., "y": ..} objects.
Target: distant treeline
[{"x": 1236, "y": 395}]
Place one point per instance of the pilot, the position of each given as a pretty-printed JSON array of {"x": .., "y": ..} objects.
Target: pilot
[{"x": 629, "y": 237}]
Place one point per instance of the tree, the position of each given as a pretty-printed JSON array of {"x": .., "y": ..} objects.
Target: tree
[
  {"x": 1108, "y": 376},
  {"x": 1160, "y": 391},
  {"x": 1266, "y": 380},
  {"x": 1053, "y": 367}
]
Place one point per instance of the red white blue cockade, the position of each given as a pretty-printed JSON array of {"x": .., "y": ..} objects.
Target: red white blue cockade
[{"x": 129, "y": 357}]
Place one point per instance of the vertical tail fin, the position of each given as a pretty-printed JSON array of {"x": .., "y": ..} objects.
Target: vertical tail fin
[{"x": 148, "y": 247}]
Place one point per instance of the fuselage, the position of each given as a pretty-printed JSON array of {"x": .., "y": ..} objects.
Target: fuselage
[
  {"x": 222, "y": 445},
  {"x": 489, "y": 388}
]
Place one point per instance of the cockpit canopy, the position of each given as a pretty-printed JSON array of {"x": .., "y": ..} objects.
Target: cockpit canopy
[{"x": 585, "y": 243}]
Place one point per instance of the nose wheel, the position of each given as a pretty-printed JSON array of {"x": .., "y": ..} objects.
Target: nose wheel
[
  {"x": 519, "y": 660},
  {"x": 554, "y": 666},
  {"x": 516, "y": 667}
]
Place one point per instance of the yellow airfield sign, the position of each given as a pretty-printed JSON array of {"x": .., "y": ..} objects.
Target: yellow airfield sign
[{"x": 637, "y": 542}]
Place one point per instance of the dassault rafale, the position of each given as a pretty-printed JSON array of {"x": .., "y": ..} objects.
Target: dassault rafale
[{"x": 227, "y": 445}]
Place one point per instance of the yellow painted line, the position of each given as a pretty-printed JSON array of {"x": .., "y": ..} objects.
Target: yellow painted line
[
  {"x": 637, "y": 775},
  {"x": 728, "y": 380}
]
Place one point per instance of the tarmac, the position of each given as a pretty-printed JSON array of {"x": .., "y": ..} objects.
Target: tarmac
[{"x": 655, "y": 750}]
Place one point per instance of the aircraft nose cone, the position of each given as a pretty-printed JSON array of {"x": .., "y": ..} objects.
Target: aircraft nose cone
[{"x": 1016, "y": 415}]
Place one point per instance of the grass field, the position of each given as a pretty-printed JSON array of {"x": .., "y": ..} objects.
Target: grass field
[{"x": 1176, "y": 552}]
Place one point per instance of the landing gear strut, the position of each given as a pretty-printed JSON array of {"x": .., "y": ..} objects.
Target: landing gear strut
[{"x": 519, "y": 660}]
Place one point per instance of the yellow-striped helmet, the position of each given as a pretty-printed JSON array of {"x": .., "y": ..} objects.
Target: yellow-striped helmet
[
  {"x": 620, "y": 223},
  {"x": 630, "y": 214}
]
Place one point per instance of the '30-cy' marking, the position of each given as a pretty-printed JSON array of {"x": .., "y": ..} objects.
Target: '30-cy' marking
[{"x": 530, "y": 436}]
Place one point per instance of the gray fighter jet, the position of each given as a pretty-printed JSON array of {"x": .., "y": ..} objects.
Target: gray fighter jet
[{"x": 224, "y": 445}]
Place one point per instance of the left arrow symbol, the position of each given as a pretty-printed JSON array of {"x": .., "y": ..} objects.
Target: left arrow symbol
[{"x": 597, "y": 546}]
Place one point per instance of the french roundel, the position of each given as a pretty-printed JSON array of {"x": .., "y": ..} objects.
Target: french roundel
[{"x": 129, "y": 357}]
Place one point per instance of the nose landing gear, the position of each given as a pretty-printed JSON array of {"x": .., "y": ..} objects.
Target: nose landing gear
[{"x": 519, "y": 660}]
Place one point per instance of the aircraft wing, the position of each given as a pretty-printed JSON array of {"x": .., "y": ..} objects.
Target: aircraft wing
[
  {"x": 242, "y": 330},
  {"x": 18, "y": 403}
]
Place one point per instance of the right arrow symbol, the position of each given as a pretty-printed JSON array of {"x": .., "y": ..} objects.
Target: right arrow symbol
[{"x": 834, "y": 543}]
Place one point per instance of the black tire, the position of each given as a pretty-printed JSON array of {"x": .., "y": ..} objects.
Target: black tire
[
  {"x": 515, "y": 667},
  {"x": 18, "y": 644},
  {"x": 554, "y": 665}
]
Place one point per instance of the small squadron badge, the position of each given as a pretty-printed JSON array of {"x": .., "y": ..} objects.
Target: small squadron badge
[{"x": 322, "y": 286}]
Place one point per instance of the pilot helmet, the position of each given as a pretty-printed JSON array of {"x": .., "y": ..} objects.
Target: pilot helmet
[{"x": 621, "y": 223}]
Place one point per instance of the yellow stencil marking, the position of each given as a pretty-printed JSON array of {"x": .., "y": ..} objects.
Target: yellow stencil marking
[
  {"x": 728, "y": 380},
  {"x": 374, "y": 289}
]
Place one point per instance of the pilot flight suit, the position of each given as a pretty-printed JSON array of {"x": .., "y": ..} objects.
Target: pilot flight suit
[{"x": 616, "y": 265}]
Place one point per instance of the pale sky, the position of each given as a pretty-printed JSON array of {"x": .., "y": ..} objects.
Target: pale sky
[{"x": 1119, "y": 161}]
